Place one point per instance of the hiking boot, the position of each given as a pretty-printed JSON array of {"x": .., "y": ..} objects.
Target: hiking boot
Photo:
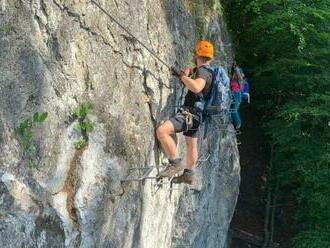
[
  {"x": 187, "y": 177},
  {"x": 171, "y": 169}
]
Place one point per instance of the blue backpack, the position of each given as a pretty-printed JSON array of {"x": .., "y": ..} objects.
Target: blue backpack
[{"x": 218, "y": 98}]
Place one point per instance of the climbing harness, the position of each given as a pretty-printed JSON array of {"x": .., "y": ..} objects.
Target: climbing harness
[
  {"x": 189, "y": 119},
  {"x": 130, "y": 33}
]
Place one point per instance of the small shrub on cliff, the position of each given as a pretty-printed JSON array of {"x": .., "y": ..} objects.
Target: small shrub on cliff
[
  {"x": 24, "y": 130},
  {"x": 80, "y": 144},
  {"x": 84, "y": 125},
  {"x": 83, "y": 110},
  {"x": 81, "y": 113},
  {"x": 25, "y": 136}
]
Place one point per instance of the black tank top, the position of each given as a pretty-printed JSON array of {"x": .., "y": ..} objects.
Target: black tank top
[{"x": 191, "y": 98}]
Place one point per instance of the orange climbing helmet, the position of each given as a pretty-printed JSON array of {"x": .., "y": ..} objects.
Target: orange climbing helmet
[{"x": 204, "y": 48}]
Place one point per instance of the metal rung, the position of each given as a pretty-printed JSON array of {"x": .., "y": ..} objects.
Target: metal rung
[
  {"x": 147, "y": 173},
  {"x": 163, "y": 183},
  {"x": 150, "y": 168},
  {"x": 137, "y": 179},
  {"x": 163, "y": 166},
  {"x": 143, "y": 177},
  {"x": 143, "y": 168},
  {"x": 160, "y": 183},
  {"x": 204, "y": 159}
]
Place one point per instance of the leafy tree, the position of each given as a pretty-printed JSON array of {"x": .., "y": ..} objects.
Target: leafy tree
[{"x": 284, "y": 47}]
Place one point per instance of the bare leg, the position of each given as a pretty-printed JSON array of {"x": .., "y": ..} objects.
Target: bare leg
[
  {"x": 191, "y": 152},
  {"x": 165, "y": 134},
  {"x": 191, "y": 159}
]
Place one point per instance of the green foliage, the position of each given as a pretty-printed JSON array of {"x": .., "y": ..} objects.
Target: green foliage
[
  {"x": 200, "y": 18},
  {"x": 201, "y": 10},
  {"x": 24, "y": 130},
  {"x": 33, "y": 165},
  {"x": 84, "y": 125},
  {"x": 40, "y": 117},
  {"x": 83, "y": 110},
  {"x": 80, "y": 144},
  {"x": 312, "y": 239},
  {"x": 283, "y": 47},
  {"x": 214, "y": 5},
  {"x": 6, "y": 29},
  {"x": 200, "y": 21}
]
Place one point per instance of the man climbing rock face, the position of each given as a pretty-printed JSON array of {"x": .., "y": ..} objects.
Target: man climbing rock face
[{"x": 187, "y": 120}]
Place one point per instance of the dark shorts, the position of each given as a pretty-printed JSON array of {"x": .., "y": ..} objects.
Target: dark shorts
[{"x": 180, "y": 125}]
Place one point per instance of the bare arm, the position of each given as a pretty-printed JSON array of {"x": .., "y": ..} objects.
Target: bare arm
[{"x": 194, "y": 85}]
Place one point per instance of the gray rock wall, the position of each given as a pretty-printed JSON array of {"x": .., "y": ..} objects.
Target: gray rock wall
[{"x": 56, "y": 55}]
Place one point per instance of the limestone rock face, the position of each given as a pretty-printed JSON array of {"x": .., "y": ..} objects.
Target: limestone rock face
[{"x": 56, "y": 55}]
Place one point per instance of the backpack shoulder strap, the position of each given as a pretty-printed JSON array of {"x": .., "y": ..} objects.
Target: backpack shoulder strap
[{"x": 211, "y": 70}]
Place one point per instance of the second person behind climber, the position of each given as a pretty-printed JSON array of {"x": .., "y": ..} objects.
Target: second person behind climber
[
  {"x": 236, "y": 85},
  {"x": 198, "y": 81}
]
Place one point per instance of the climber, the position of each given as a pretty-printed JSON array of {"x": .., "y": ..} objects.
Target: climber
[
  {"x": 198, "y": 81},
  {"x": 236, "y": 84},
  {"x": 240, "y": 92}
]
